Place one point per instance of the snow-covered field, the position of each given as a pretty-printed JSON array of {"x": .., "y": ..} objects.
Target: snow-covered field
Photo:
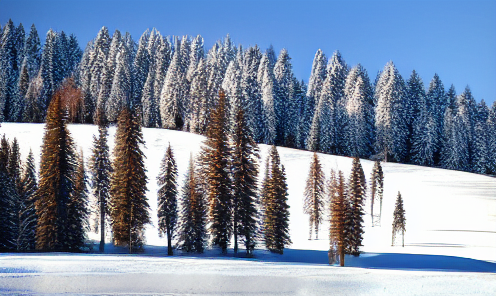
[{"x": 450, "y": 242}]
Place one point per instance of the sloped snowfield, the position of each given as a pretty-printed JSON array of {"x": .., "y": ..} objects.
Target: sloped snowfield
[{"x": 450, "y": 242}]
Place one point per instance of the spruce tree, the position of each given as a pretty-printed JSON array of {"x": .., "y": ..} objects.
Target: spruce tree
[
  {"x": 192, "y": 228},
  {"x": 244, "y": 174},
  {"x": 57, "y": 170},
  {"x": 276, "y": 212},
  {"x": 100, "y": 170},
  {"x": 215, "y": 157},
  {"x": 376, "y": 190},
  {"x": 167, "y": 197},
  {"x": 356, "y": 200},
  {"x": 337, "y": 216},
  {"x": 77, "y": 212},
  {"x": 26, "y": 240},
  {"x": 129, "y": 207},
  {"x": 314, "y": 196},
  {"x": 399, "y": 220},
  {"x": 8, "y": 198}
]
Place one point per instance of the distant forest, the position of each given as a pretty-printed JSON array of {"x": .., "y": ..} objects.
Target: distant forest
[{"x": 174, "y": 82}]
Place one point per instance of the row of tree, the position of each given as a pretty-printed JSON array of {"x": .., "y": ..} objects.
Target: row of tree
[{"x": 173, "y": 83}]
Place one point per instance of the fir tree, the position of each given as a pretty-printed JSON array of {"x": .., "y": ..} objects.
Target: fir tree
[
  {"x": 416, "y": 110},
  {"x": 167, "y": 197},
  {"x": 376, "y": 190},
  {"x": 436, "y": 102},
  {"x": 250, "y": 87},
  {"x": 283, "y": 75},
  {"x": 354, "y": 216},
  {"x": 26, "y": 240},
  {"x": 100, "y": 170},
  {"x": 8, "y": 202},
  {"x": 129, "y": 207},
  {"x": 276, "y": 212},
  {"x": 192, "y": 228},
  {"x": 216, "y": 154},
  {"x": 337, "y": 216},
  {"x": 399, "y": 220},
  {"x": 244, "y": 172},
  {"x": 77, "y": 212},
  {"x": 314, "y": 196},
  {"x": 57, "y": 170}
]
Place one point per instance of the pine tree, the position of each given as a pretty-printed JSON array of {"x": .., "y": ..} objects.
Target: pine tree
[
  {"x": 491, "y": 123},
  {"x": 198, "y": 119},
  {"x": 276, "y": 209},
  {"x": 100, "y": 170},
  {"x": 268, "y": 86},
  {"x": 8, "y": 198},
  {"x": 399, "y": 220},
  {"x": 376, "y": 190},
  {"x": 416, "y": 110},
  {"x": 250, "y": 87},
  {"x": 192, "y": 228},
  {"x": 314, "y": 196},
  {"x": 167, "y": 197},
  {"x": 57, "y": 170},
  {"x": 77, "y": 212},
  {"x": 354, "y": 216},
  {"x": 215, "y": 157},
  {"x": 129, "y": 207},
  {"x": 337, "y": 216},
  {"x": 283, "y": 75},
  {"x": 244, "y": 174},
  {"x": 32, "y": 52},
  {"x": 121, "y": 91},
  {"x": 425, "y": 139},
  {"x": 436, "y": 103},
  {"x": 9, "y": 72},
  {"x": 26, "y": 240}
]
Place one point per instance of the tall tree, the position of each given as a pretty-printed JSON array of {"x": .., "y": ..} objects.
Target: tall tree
[
  {"x": 276, "y": 208},
  {"x": 167, "y": 197},
  {"x": 376, "y": 190},
  {"x": 8, "y": 199},
  {"x": 337, "y": 217},
  {"x": 436, "y": 103},
  {"x": 399, "y": 220},
  {"x": 244, "y": 173},
  {"x": 415, "y": 103},
  {"x": 314, "y": 196},
  {"x": 129, "y": 206},
  {"x": 57, "y": 170},
  {"x": 26, "y": 240},
  {"x": 77, "y": 212},
  {"x": 100, "y": 170},
  {"x": 216, "y": 154},
  {"x": 283, "y": 74},
  {"x": 356, "y": 199}
]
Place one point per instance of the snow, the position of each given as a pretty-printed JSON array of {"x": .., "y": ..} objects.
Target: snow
[{"x": 450, "y": 239}]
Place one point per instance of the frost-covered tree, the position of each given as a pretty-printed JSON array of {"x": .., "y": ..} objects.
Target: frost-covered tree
[
  {"x": 491, "y": 125},
  {"x": 269, "y": 116},
  {"x": 97, "y": 62},
  {"x": 436, "y": 102},
  {"x": 316, "y": 81},
  {"x": 232, "y": 85},
  {"x": 167, "y": 197},
  {"x": 121, "y": 91},
  {"x": 32, "y": 51},
  {"x": 391, "y": 127},
  {"x": 26, "y": 240},
  {"x": 399, "y": 220},
  {"x": 77, "y": 211},
  {"x": 252, "y": 101},
  {"x": 314, "y": 196},
  {"x": 283, "y": 74},
  {"x": 353, "y": 227},
  {"x": 414, "y": 102},
  {"x": 9, "y": 218},
  {"x": 141, "y": 67},
  {"x": 9, "y": 73},
  {"x": 198, "y": 118},
  {"x": 425, "y": 139}
]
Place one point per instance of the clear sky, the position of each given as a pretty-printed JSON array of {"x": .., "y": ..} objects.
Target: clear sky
[{"x": 456, "y": 39}]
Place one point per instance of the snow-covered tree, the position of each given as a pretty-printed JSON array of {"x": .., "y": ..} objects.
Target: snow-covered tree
[
  {"x": 121, "y": 91},
  {"x": 436, "y": 102},
  {"x": 252, "y": 101},
  {"x": 283, "y": 74},
  {"x": 26, "y": 240},
  {"x": 269, "y": 116},
  {"x": 414, "y": 101},
  {"x": 314, "y": 196}
]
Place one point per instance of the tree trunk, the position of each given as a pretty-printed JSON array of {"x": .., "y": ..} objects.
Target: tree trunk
[
  {"x": 235, "y": 232},
  {"x": 169, "y": 241},
  {"x": 341, "y": 254}
]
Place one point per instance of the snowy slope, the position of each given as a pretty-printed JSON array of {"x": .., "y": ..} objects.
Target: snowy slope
[{"x": 448, "y": 213}]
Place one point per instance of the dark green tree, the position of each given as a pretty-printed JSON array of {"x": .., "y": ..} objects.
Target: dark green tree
[
  {"x": 314, "y": 196},
  {"x": 399, "y": 220},
  {"x": 354, "y": 216},
  {"x": 8, "y": 200},
  {"x": 26, "y": 240},
  {"x": 129, "y": 206},
  {"x": 167, "y": 197}
]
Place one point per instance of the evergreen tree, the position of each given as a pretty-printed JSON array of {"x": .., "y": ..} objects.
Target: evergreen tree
[
  {"x": 100, "y": 170},
  {"x": 121, "y": 91},
  {"x": 283, "y": 75},
  {"x": 26, "y": 240},
  {"x": 198, "y": 119},
  {"x": 250, "y": 87},
  {"x": 491, "y": 123},
  {"x": 376, "y": 190},
  {"x": 314, "y": 196},
  {"x": 215, "y": 157},
  {"x": 337, "y": 216},
  {"x": 77, "y": 212},
  {"x": 57, "y": 170},
  {"x": 399, "y": 220},
  {"x": 425, "y": 139},
  {"x": 32, "y": 51},
  {"x": 9, "y": 72},
  {"x": 141, "y": 67},
  {"x": 415, "y": 103},
  {"x": 8, "y": 202},
  {"x": 129, "y": 207},
  {"x": 354, "y": 216},
  {"x": 244, "y": 174},
  {"x": 232, "y": 85},
  {"x": 192, "y": 229},
  {"x": 167, "y": 197},
  {"x": 276, "y": 208},
  {"x": 436, "y": 103},
  {"x": 267, "y": 83}
]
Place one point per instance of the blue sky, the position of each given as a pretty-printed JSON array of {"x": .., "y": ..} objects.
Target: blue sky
[{"x": 456, "y": 39}]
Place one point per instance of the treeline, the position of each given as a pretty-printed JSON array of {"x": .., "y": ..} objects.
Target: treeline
[
  {"x": 220, "y": 203},
  {"x": 173, "y": 83}
]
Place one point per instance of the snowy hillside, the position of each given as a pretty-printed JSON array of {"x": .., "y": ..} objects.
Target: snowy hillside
[{"x": 448, "y": 213}]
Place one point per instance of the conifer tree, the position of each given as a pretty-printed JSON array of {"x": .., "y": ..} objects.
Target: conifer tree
[
  {"x": 167, "y": 198},
  {"x": 215, "y": 157},
  {"x": 337, "y": 216},
  {"x": 26, "y": 240},
  {"x": 129, "y": 207},
  {"x": 376, "y": 190},
  {"x": 57, "y": 170},
  {"x": 399, "y": 220},
  {"x": 192, "y": 228},
  {"x": 244, "y": 173},
  {"x": 8, "y": 198},
  {"x": 416, "y": 110},
  {"x": 250, "y": 87},
  {"x": 77, "y": 212},
  {"x": 276, "y": 212},
  {"x": 283, "y": 75},
  {"x": 100, "y": 171},
  {"x": 314, "y": 196},
  {"x": 356, "y": 200}
]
